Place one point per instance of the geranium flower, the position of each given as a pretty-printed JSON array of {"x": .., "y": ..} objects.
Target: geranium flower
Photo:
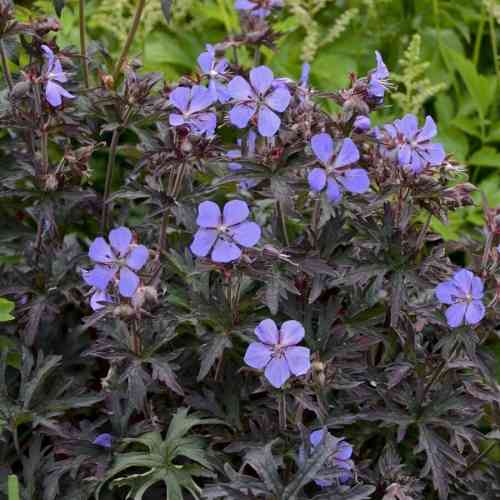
[
  {"x": 122, "y": 258},
  {"x": 103, "y": 440},
  {"x": 339, "y": 459},
  {"x": 214, "y": 69},
  {"x": 192, "y": 102},
  {"x": 412, "y": 146},
  {"x": 336, "y": 175},
  {"x": 378, "y": 80},
  {"x": 223, "y": 235},
  {"x": 464, "y": 294},
  {"x": 263, "y": 97},
  {"x": 257, "y": 8},
  {"x": 277, "y": 352},
  {"x": 54, "y": 73}
]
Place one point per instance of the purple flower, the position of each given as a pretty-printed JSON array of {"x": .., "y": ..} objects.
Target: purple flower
[
  {"x": 103, "y": 440},
  {"x": 215, "y": 71},
  {"x": 412, "y": 146},
  {"x": 278, "y": 352},
  {"x": 191, "y": 102},
  {"x": 54, "y": 73},
  {"x": 335, "y": 174},
  {"x": 264, "y": 95},
  {"x": 339, "y": 459},
  {"x": 122, "y": 257},
  {"x": 257, "y": 8},
  {"x": 235, "y": 154},
  {"x": 223, "y": 235},
  {"x": 378, "y": 80},
  {"x": 464, "y": 294},
  {"x": 362, "y": 124}
]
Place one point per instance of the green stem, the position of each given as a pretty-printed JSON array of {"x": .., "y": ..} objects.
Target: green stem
[
  {"x": 83, "y": 47},
  {"x": 163, "y": 231},
  {"x": 494, "y": 48},
  {"x": 480, "y": 457},
  {"x": 479, "y": 37},
  {"x": 281, "y": 213},
  {"x": 5, "y": 66},
  {"x": 109, "y": 177},
  {"x": 130, "y": 39}
]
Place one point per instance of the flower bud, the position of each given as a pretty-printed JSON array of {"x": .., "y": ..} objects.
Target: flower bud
[
  {"x": 50, "y": 182},
  {"x": 362, "y": 123}
]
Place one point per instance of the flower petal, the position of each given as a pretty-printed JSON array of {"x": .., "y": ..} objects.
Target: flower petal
[
  {"x": 477, "y": 287},
  {"x": 54, "y": 94},
  {"x": 333, "y": 191},
  {"x": 299, "y": 359},
  {"x": 179, "y": 98},
  {"x": 208, "y": 214},
  {"x": 120, "y": 239},
  {"x": 404, "y": 155},
  {"x": 101, "y": 252},
  {"x": 267, "y": 332},
  {"x": 347, "y": 155},
  {"x": 279, "y": 99},
  {"x": 408, "y": 126},
  {"x": 176, "y": 120},
  {"x": 277, "y": 372},
  {"x": 201, "y": 98},
  {"x": 138, "y": 257},
  {"x": 434, "y": 154},
  {"x": 258, "y": 355},
  {"x": 203, "y": 123},
  {"x": 205, "y": 61},
  {"x": 203, "y": 242},
  {"x": 475, "y": 312},
  {"x": 235, "y": 211},
  {"x": 317, "y": 436},
  {"x": 99, "y": 299},
  {"x": 246, "y": 234},
  {"x": 244, "y": 5},
  {"x": 240, "y": 90},
  {"x": 356, "y": 180},
  {"x": 268, "y": 122},
  {"x": 225, "y": 251},
  {"x": 455, "y": 314},
  {"x": 241, "y": 114},
  {"x": 463, "y": 281},
  {"x": 322, "y": 145},
  {"x": 129, "y": 281},
  {"x": 428, "y": 131},
  {"x": 291, "y": 333},
  {"x": 99, "y": 277},
  {"x": 317, "y": 179},
  {"x": 445, "y": 292},
  {"x": 261, "y": 79},
  {"x": 103, "y": 440}
]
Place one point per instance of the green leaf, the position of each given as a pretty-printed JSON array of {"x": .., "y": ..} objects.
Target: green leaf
[
  {"x": 487, "y": 156},
  {"x": 58, "y": 6},
  {"x": 481, "y": 88},
  {"x": 264, "y": 463},
  {"x": 6, "y": 306},
  {"x": 358, "y": 492}
]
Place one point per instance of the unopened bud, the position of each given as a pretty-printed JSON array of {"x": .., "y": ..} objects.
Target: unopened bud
[
  {"x": 51, "y": 182},
  {"x": 108, "y": 81},
  {"x": 123, "y": 311}
]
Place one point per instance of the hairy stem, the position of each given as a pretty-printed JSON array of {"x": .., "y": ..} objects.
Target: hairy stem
[
  {"x": 83, "y": 47},
  {"x": 281, "y": 214},
  {"x": 163, "y": 231},
  {"x": 130, "y": 39},
  {"x": 439, "y": 372},
  {"x": 5, "y": 66},
  {"x": 282, "y": 410},
  {"x": 109, "y": 177},
  {"x": 493, "y": 40},
  {"x": 44, "y": 136}
]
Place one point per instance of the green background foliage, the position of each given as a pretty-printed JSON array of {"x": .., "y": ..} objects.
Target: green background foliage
[{"x": 443, "y": 56}]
